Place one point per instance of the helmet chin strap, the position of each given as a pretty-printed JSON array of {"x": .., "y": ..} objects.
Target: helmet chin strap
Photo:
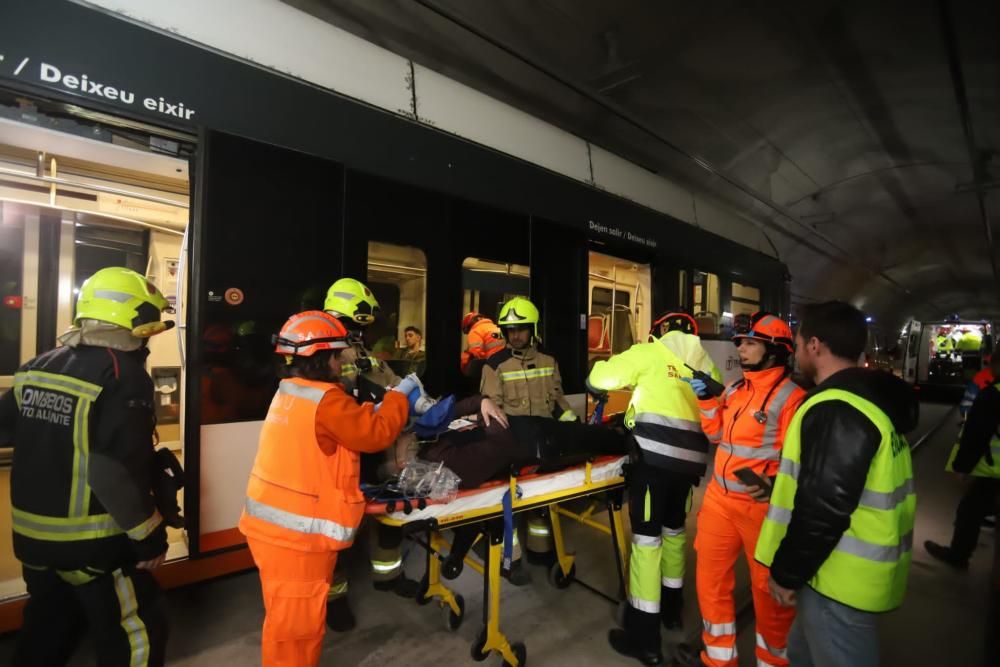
[{"x": 760, "y": 365}]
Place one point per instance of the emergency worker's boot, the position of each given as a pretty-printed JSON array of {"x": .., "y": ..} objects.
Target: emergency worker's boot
[
  {"x": 946, "y": 555},
  {"x": 401, "y": 586},
  {"x": 518, "y": 574},
  {"x": 671, "y": 608},
  {"x": 339, "y": 616},
  {"x": 621, "y": 643}
]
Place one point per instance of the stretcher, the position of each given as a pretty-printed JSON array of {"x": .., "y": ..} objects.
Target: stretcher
[{"x": 484, "y": 507}]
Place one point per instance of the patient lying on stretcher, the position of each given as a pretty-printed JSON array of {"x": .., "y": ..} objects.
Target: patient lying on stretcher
[{"x": 490, "y": 445}]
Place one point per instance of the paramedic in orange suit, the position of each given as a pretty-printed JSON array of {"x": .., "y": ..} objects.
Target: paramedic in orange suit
[
  {"x": 303, "y": 501},
  {"x": 748, "y": 422}
]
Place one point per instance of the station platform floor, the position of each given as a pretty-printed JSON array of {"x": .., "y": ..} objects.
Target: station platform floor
[{"x": 941, "y": 623}]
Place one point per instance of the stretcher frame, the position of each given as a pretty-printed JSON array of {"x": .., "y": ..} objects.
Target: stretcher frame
[{"x": 491, "y": 639}]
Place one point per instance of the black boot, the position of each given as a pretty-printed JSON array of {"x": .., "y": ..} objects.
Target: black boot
[
  {"x": 339, "y": 616},
  {"x": 672, "y": 608},
  {"x": 946, "y": 555},
  {"x": 621, "y": 643},
  {"x": 401, "y": 586},
  {"x": 518, "y": 574}
]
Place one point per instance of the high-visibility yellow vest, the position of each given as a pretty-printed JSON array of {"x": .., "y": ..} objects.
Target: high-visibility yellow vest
[
  {"x": 983, "y": 467},
  {"x": 869, "y": 566}
]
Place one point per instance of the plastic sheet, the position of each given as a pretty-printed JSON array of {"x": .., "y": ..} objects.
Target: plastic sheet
[{"x": 423, "y": 479}]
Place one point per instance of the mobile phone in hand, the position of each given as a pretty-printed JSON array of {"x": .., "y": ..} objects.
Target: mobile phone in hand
[{"x": 750, "y": 478}]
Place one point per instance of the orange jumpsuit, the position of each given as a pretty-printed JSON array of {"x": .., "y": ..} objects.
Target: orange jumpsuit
[
  {"x": 750, "y": 434},
  {"x": 304, "y": 505}
]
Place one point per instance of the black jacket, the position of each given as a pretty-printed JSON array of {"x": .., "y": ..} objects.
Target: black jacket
[
  {"x": 51, "y": 454},
  {"x": 838, "y": 445},
  {"x": 980, "y": 427}
]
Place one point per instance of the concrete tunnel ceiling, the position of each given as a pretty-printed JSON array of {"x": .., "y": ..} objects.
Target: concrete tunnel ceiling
[{"x": 859, "y": 136}]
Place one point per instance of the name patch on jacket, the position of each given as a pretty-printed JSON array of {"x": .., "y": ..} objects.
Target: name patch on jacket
[{"x": 52, "y": 407}]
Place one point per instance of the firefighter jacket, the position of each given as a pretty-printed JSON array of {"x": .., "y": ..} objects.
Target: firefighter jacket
[
  {"x": 748, "y": 422},
  {"x": 663, "y": 411},
  {"x": 81, "y": 422},
  {"x": 484, "y": 340},
  {"x": 357, "y": 362},
  {"x": 304, "y": 491},
  {"x": 978, "y": 450},
  {"x": 524, "y": 383}
]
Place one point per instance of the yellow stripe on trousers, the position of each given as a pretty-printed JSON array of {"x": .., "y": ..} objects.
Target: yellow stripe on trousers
[{"x": 135, "y": 629}]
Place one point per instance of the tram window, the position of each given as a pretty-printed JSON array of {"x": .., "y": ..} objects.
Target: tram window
[
  {"x": 745, "y": 300},
  {"x": 705, "y": 303},
  {"x": 397, "y": 275},
  {"x": 11, "y": 291},
  {"x": 487, "y": 285},
  {"x": 619, "y": 313}
]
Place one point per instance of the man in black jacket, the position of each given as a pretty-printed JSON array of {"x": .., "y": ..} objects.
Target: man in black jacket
[
  {"x": 979, "y": 455},
  {"x": 839, "y": 445},
  {"x": 85, "y": 521}
]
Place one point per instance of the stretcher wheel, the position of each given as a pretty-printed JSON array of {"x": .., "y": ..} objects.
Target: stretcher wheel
[
  {"x": 558, "y": 579},
  {"x": 453, "y": 621},
  {"x": 477, "y": 647},
  {"x": 422, "y": 598},
  {"x": 520, "y": 652}
]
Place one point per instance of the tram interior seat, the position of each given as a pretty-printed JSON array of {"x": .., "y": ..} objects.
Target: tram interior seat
[
  {"x": 708, "y": 323},
  {"x": 597, "y": 334}
]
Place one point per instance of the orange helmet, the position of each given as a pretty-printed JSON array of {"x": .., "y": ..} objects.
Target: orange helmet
[
  {"x": 470, "y": 319},
  {"x": 308, "y": 332},
  {"x": 767, "y": 328},
  {"x": 674, "y": 321}
]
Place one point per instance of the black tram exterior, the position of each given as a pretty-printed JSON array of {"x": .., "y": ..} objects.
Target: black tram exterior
[{"x": 290, "y": 182}]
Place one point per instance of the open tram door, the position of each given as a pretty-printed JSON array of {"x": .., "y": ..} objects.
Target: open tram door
[{"x": 912, "y": 348}]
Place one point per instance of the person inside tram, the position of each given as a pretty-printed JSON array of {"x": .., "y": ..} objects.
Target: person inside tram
[{"x": 413, "y": 352}]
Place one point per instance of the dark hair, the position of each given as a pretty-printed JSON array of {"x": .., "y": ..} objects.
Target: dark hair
[
  {"x": 839, "y": 325},
  {"x": 315, "y": 367},
  {"x": 414, "y": 330}
]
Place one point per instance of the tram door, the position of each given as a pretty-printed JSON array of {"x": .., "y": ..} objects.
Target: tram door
[
  {"x": 619, "y": 313},
  {"x": 70, "y": 206}
]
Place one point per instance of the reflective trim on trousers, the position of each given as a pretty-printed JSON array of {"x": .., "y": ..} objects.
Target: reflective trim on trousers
[
  {"x": 719, "y": 629},
  {"x": 724, "y": 653},
  {"x": 646, "y": 540},
  {"x": 671, "y": 451},
  {"x": 135, "y": 629},
  {"x": 887, "y": 500},
  {"x": 299, "y": 523},
  {"x": 387, "y": 567},
  {"x": 672, "y": 422},
  {"x": 647, "y": 606},
  {"x": 311, "y": 394},
  {"x": 745, "y": 451},
  {"x": 776, "y": 652},
  {"x": 672, "y": 582}
]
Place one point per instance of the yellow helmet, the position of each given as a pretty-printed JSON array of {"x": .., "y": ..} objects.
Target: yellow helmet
[
  {"x": 350, "y": 298},
  {"x": 122, "y": 297},
  {"x": 519, "y": 311}
]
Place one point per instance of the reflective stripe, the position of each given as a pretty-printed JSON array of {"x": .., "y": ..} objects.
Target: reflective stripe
[
  {"x": 770, "y": 438},
  {"x": 114, "y": 295},
  {"x": 311, "y": 394},
  {"x": 730, "y": 485},
  {"x": 725, "y": 653},
  {"x": 64, "y": 529},
  {"x": 135, "y": 629},
  {"x": 146, "y": 528},
  {"x": 646, "y": 540},
  {"x": 664, "y": 449},
  {"x": 291, "y": 333},
  {"x": 887, "y": 501},
  {"x": 720, "y": 629},
  {"x": 780, "y": 515},
  {"x": 790, "y": 468},
  {"x": 671, "y": 532},
  {"x": 385, "y": 567},
  {"x": 876, "y": 552},
  {"x": 745, "y": 451},
  {"x": 672, "y": 582},
  {"x": 299, "y": 523},
  {"x": 648, "y": 606},
  {"x": 529, "y": 374},
  {"x": 60, "y": 382},
  {"x": 716, "y": 436},
  {"x": 709, "y": 414},
  {"x": 776, "y": 652},
  {"x": 337, "y": 590},
  {"x": 538, "y": 531},
  {"x": 79, "y": 490},
  {"x": 345, "y": 295},
  {"x": 672, "y": 422}
]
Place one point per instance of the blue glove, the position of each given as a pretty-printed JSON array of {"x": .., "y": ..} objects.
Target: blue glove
[
  {"x": 699, "y": 387},
  {"x": 413, "y": 397},
  {"x": 408, "y": 384}
]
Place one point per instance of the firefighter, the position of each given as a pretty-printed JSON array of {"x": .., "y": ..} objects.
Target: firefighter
[
  {"x": 748, "y": 423},
  {"x": 672, "y": 453},
  {"x": 354, "y": 305},
  {"x": 86, "y": 527},
  {"x": 484, "y": 340},
  {"x": 525, "y": 382},
  {"x": 304, "y": 502}
]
